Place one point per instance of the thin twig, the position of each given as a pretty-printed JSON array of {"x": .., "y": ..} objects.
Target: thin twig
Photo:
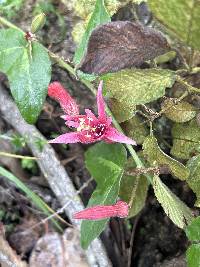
[
  {"x": 139, "y": 171},
  {"x": 5, "y": 154},
  {"x": 62, "y": 209},
  {"x": 132, "y": 240},
  {"x": 189, "y": 87}
]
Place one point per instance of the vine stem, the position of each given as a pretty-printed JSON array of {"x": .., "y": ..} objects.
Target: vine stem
[
  {"x": 7, "y": 23},
  {"x": 89, "y": 85},
  {"x": 189, "y": 87}
]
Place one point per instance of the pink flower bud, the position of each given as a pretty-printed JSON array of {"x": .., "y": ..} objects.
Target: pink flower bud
[
  {"x": 57, "y": 92},
  {"x": 120, "y": 209}
]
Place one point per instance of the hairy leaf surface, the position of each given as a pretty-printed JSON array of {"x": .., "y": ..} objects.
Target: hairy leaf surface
[
  {"x": 156, "y": 157},
  {"x": 194, "y": 179},
  {"x": 175, "y": 209},
  {"x": 180, "y": 112},
  {"x": 186, "y": 139},
  {"x": 137, "y": 86},
  {"x": 181, "y": 17}
]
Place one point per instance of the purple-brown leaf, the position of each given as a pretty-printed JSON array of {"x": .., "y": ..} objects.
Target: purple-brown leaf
[{"x": 121, "y": 44}]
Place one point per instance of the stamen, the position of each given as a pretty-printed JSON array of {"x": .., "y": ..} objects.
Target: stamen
[
  {"x": 90, "y": 119},
  {"x": 99, "y": 130}
]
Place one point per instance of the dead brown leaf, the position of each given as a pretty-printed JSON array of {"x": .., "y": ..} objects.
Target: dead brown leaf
[{"x": 121, "y": 44}]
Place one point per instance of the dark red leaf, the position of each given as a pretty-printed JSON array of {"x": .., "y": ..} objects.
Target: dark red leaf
[{"x": 121, "y": 44}]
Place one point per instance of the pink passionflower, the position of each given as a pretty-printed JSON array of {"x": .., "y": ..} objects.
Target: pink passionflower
[
  {"x": 120, "y": 209},
  {"x": 89, "y": 127}
]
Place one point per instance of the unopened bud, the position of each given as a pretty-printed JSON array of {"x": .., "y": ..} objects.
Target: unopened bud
[{"x": 38, "y": 23}]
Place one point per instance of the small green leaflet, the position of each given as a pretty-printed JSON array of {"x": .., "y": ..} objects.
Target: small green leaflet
[
  {"x": 99, "y": 16},
  {"x": 193, "y": 180},
  {"x": 181, "y": 17},
  {"x": 175, "y": 209},
  {"x": 28, "y": 72},
  {"x": 105, "y": 163},
  {"x": 156, "y": 157},
  {"x": 186, "y": 139},
  {"x": 179, "y": 112}
]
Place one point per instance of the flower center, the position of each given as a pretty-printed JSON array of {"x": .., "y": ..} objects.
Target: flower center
[
  {"x": 98, "y": 130},
  {"x": 90, "y": 128}
]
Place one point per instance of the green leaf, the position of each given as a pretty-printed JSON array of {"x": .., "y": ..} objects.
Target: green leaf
[
  {"x": 193, "y": 255},
  {"x": 181, "y": 17},
  {"x": 156, "y": 157},
  {"x": 193, "y": 230},
  {"x": 135, "y": 129},
  {"x": 175, "y": 209},
  {"x": 194, "y": 179},
  {"x": 167, "y": 57},
  {"x": 180, "y": 112},
  {"x": 83, "y": 8},
  {"x": 38, "y": 202},
  {"x": 183, "y": 149},
  {"x": 137, "y": 86},
  {"x": 28, "y": 72},
  {"x": 120, "y": 112},
  {"x": 105, "y": 163},
  {"x": 10, "y": 8},
  {"x": 187, "y": 131},
  {"x": 99, "y": 16},
  {"x": 134, "y": 188},
  {"x": 186, "y": 139}
]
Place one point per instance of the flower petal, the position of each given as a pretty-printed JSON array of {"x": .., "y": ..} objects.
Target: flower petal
[
  {"x": 113, "y": 135},
  {"x": 74, "y": 120},
  {"x": 57, "y": 92},
  {"x": 89, "y": 113},
  {"x": 100, "y": 101},
  {"x": 66, "y": 138}
]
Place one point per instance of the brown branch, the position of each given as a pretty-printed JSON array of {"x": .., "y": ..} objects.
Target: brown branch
[{"x": 54, "y": 172}]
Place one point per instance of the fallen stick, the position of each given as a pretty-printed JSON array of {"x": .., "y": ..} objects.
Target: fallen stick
[
  {"x": 54, "y": 172},
  {"x": 8, "y": 257}
]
